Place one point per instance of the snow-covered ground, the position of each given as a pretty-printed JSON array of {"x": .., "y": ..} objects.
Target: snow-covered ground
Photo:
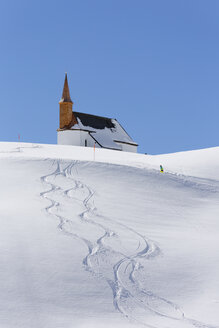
[{"x": 106, "y": 240}]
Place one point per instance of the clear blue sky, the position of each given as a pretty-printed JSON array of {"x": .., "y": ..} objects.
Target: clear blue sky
[{"x": 153, "y": 65}]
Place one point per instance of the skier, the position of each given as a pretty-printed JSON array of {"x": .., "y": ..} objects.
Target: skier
[{"x": 161, "y": 168}]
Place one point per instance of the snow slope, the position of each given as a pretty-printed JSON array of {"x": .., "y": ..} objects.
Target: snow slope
[{"x": 106, "y": 240}]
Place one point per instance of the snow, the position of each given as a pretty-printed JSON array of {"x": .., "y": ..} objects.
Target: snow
[
  {"x": 106, "y": 240},
  {"x": 106, "y": 136}
]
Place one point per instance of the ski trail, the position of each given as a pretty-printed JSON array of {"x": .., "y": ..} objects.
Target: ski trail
[
  {"x": 148, "y": 249},
  {"x": 107, "y": 262}
]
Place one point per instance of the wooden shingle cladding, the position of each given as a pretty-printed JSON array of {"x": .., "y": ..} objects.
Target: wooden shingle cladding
[
  {"x": 66, "y": 93},
  {"x": 66, "y": 116}
]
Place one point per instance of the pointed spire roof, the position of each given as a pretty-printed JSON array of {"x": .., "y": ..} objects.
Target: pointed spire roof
[{"x": 66, "y": 94}]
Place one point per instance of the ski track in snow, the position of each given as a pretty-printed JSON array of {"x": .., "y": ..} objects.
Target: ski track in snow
[
  {"x": 20, "y": 149},
  {"x": 129, "y": 298}
]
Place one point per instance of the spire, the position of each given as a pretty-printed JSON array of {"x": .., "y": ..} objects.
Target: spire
[{"x": 66, "y": 94}]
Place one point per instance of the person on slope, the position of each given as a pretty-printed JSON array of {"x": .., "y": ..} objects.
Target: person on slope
[{"x": 161, "y": 168}]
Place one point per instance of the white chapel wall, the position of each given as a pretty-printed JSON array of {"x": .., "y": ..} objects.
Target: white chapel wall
[
  {"x": 66, "y": 137},
  {"x": 75, "y": 138}
]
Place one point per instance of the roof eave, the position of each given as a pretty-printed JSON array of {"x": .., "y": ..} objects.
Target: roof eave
[{"x": 127, "y": 143}]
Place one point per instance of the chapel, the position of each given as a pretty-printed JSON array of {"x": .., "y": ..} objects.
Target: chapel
[{"x": 80, "y": 129}]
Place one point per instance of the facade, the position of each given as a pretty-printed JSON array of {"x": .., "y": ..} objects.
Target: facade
[{"x": 80, "y": 129}]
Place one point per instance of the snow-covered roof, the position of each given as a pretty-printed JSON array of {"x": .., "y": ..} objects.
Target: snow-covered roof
[{"x": 106, "y": 131}]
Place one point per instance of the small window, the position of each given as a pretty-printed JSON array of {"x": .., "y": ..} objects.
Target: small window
[{"x": 86, "y": 143}]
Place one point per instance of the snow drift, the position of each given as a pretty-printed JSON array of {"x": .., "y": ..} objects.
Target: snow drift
[{"x": 106, "y": 240}]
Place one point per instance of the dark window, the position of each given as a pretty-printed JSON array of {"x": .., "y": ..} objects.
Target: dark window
[{"x": 85, "y": 143}]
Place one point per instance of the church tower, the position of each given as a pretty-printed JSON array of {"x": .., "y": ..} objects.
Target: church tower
[{"x": 67, "y": 118}]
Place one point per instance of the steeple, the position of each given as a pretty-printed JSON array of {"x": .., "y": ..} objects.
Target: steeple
[
  {"x": 66, "y": 94},
  {"x": 67, "y": 117}
]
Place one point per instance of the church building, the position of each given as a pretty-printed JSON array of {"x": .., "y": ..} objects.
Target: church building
[{"x": 80, "y": 129}]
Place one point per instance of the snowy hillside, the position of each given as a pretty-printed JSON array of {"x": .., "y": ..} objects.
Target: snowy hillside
[{"x": 106, "y": 240}]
